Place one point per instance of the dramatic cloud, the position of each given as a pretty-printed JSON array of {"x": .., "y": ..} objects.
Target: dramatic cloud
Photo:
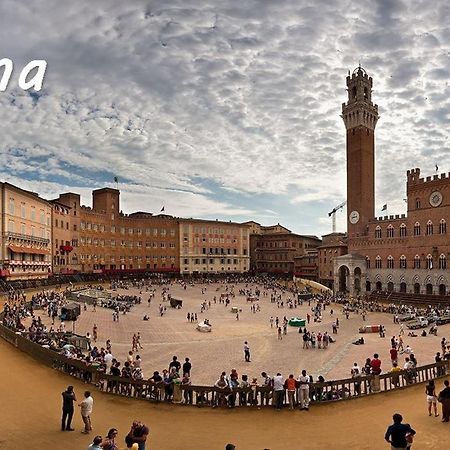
[{"x": 222, "y": 109}]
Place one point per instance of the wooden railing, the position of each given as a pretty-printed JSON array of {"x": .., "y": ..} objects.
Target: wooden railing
[{"x": 213, "y": 396}]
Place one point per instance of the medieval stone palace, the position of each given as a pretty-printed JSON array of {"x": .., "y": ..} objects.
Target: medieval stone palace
[{"x": 396, "y": 253}]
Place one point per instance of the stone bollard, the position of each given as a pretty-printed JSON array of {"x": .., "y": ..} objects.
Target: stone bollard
[
  {"x": 177, "y": 393},
  {"x": 376, "y": 383}
]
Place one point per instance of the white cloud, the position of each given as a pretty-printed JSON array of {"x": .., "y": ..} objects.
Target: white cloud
[{"x": 246, "y": 94}]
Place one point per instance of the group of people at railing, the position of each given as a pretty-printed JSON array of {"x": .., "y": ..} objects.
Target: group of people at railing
[
  {"x": 173, "y": 385},
  {"x": 232, "y": 390}
]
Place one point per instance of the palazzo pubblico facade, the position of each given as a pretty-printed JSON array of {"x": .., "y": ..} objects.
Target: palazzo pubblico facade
[{"x": 406, "y": 253}]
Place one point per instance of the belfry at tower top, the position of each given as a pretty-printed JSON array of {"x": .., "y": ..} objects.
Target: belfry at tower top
[
  {"x": 359, "y": 109},
  {"x": 360, "y": 71}
]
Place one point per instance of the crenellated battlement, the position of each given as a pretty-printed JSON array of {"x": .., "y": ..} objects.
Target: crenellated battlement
[
  {"x": 390, "y": 218},
  {"x": 413, "y": 177}
]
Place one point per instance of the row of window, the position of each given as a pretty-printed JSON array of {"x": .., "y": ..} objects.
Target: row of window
[
  {"x": 197, "y": 240},
  {"x": 429, "y": 229},
  {"x": 23, "y": 212},
  {"x": 28, "y": 232},
  {"x": 122, "y": 243},
  {"x": 62, "y": 224},
  {"x": 417, "y": 263},
  {"x": 209, "y": 230},
  {"x": 275, "y": 266},
  {"x": 123, "y": 230},
  {"x": 273, "y": 257},
  {"x": 211, "y": 261},
  {"x": 284, "y": 244},
  {"x": 124, "y": 258}
]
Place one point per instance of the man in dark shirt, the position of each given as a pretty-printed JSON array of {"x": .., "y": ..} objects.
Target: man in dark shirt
[
  {"x": 444, "y": 398},
  {"x": 68, "y": 398},
  {"x": 175, "y": 363},
  {"x": 187, "y": 366},
  {"x": 138, "y": 434},
  {"x": 396, "y": 433},
  {"x": 156, "y": 378}
]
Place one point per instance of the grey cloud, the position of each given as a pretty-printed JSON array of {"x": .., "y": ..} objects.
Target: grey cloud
[{"x": 247, "y": 94}]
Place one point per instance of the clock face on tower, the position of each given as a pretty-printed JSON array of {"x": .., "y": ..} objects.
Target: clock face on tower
[
  {"x": 435, "y": 198},
  {"x": 353, "y": 217}
]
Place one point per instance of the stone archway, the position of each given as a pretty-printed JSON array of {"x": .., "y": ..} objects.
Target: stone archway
[
  {"x": 368, "y": 286},
  {"x": 390, "y": 286},
  {"x": 416, "y": 288},
  {"x": 442, "y": 289},
  {"x": 378, "y": 286},
  {"x": 429, "y": 289},
  {"x": 349, "y": 273},
  {"x": 403, "y": 287},
  {"x": 344, "y": 279},
  {"x": 357, "y": 280}
]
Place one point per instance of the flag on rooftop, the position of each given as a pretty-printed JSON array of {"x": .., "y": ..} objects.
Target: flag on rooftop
[
  {"x": 162, "y": 209},
  {"x": 384, "y": 208}
]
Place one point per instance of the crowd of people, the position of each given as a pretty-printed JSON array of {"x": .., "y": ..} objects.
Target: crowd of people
[{"x": 174, "y": 382}]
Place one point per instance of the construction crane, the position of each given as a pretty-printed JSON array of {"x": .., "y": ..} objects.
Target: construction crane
[{"x": 333, "y": 214}]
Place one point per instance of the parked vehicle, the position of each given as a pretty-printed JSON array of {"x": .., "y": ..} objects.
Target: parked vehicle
[
  {"x": 405, "y": 317},
  {"x": 443, "y": 320},
  {"x": 420, "y": 322}
]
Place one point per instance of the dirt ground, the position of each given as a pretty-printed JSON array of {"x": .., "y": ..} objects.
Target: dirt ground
[
  {"x": 31, "y": 408},
  {"x": 222, "y": 349}
]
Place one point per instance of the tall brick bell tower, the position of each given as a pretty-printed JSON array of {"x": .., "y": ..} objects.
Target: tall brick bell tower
[{"x": 360, "y": 116}]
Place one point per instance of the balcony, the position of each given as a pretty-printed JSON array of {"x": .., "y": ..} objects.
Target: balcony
[{"x": 25, "y": 237}]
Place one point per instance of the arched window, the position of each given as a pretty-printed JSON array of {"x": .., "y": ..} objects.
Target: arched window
[
  {"x": 417, "y": 229},
  {"x": 390, "y": 262},
  {"x": 442, "y": 262},
  {"x": 442, "y": 227},
  {"x": 378, "y": 262},
  {"x": 429, "y": 262},
  {"x": 417, "y": 203},
  {"x": 417, "y": 262},
  {"x": 390, "y": 231},
  {"x": 378, "y": 232},
  {"x": 429, "y": 227},
  {"x": 402, "y": 230},
  {"x": 403, "y": 262},
  {"x": 367, "y": 262}
]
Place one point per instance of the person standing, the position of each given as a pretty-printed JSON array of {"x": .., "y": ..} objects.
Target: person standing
[
  {"x": 138, "y": 434},
  {"x": 399, "y": 435},
  {"x": 175, "y": 363},
  {"x": 246, "y": 351},
  {"x": 291, "y": 387},
  {"x": 95, "y": 333},
  {"x": 355, "y": 371},
  {"x": 430, "y": 390},
  {"x": 303, "y": 379},
  {"x": 394, "y": 354},
  {"x": 67, "y": 411},
  {"x": 444, "y": 398},
  {"x": 187, "y": 366},
  {"x": 278, "y": 387},
  {"x": 86, "y": 411}
]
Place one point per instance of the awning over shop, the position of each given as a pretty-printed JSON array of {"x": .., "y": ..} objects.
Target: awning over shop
[{"x": 29, "y": 250}]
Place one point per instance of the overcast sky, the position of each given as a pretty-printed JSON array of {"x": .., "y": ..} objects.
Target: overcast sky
[{"x": 222, "y": 109}]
